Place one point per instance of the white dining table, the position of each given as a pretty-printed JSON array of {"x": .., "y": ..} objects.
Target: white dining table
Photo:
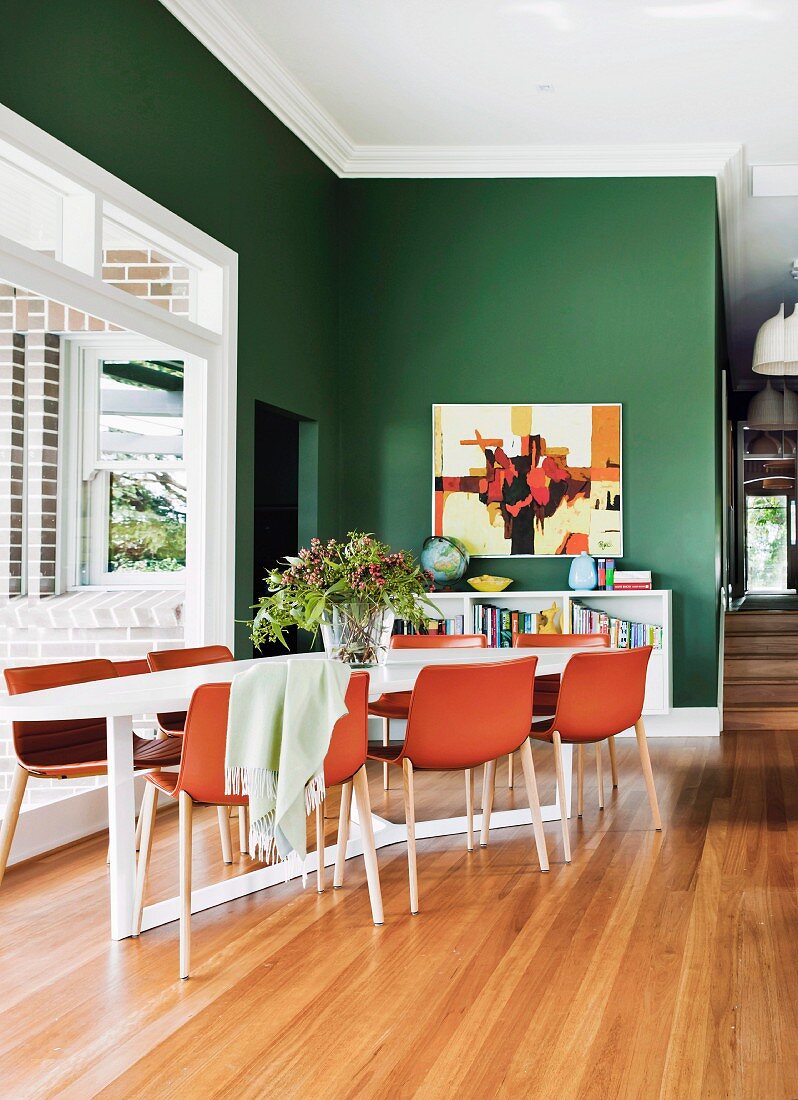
[{"x": 121, "y": 700}]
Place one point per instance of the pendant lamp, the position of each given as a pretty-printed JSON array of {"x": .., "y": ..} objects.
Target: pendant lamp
[
  {"x": 769, "y": 346},
  {"x": 766, "y": 408},
  {"x": 790, "y": 406}
]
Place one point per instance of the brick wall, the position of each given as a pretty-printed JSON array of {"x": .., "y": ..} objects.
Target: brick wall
[
  {"x": 149, "y": 274},
  {"x": 85, "y": 623},
  {"x": 12, "y": 412},
  {"x": 42, "y": 378}
]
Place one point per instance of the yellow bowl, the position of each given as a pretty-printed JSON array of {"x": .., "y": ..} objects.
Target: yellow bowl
[{"x": 486, "y": 583}]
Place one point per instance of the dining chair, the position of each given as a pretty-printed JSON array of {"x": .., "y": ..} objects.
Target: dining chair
[
  {"x": 547, "y": 688},
  {"x": 462, "y": 716},
  {"x": 173, "y": 724},
  {"x": 601, "y": 695},
  {"x": 396, "y": 704},
  {"x": 73, "y": 748},
  {"x": 201, "y": 781}
]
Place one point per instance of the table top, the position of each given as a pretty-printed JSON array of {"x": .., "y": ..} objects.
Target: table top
[{"x": 172, "y": 690}]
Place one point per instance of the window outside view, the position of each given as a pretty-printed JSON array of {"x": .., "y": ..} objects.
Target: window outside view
[
  {"x": 141, "y": 426},
  {"x": 766, "y": 543}
]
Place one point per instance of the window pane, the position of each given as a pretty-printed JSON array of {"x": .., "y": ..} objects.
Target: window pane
[
  {"x": 766, "y": 543},
  {"x": 141, "y": 411},
  {"x": 147, "y": 522},
  {"x": 30, "y": 211}
]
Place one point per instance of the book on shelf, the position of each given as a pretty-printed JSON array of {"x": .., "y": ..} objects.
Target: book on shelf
[
  {"x": 499, "y": 624},
  {"x": 633, "y": 580},
  {"x": 623, "y": 633},
  {"x": 455, "y": 625}
]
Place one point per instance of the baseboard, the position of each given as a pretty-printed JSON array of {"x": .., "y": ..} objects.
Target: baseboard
[
  {"x": 682, "y": 722},
  {"x": 40, "y": 829}
]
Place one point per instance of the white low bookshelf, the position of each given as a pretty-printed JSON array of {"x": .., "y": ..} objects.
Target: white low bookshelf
[{"x": 652, "y": 607}]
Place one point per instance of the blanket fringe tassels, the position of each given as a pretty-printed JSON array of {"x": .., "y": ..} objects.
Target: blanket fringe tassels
[{"x": 262, "y": 783}]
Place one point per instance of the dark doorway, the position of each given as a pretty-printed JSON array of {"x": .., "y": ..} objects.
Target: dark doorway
[{"x": 276, "y": 500}]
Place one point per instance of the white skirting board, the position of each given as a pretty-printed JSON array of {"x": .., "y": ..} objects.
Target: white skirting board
[{"x": 42, "y": 828}]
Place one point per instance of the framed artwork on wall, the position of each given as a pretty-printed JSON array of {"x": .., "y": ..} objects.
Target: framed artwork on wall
[{"x": 528, "y": 480}]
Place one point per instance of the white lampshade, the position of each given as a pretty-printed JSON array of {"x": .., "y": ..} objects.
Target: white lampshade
[
  {"x": 790, "y": 406},
  {"x": 766, "y": 408},
  {"x": 791, "y": 343},
  {"x": 769, "y": 357}
]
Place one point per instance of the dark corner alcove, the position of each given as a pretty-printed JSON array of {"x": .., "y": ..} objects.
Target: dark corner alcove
[{"x": 276, "y": 499}]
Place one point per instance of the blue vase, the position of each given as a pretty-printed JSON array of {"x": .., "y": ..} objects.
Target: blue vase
[{"x": 583, "y": 575}]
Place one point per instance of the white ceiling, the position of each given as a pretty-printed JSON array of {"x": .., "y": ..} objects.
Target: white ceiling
[{"x": 354, "y": 75}]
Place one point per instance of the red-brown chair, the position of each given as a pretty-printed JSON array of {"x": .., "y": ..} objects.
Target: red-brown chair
[
  {"x": 173, "y": 724},
  {"x": 462, "y": 716},
  {"x": 201, "y": 780},
  {"x": 547, "y": 689},
  {"x": 601, "y": 695},
  {"x": 73, "y": 748},
  {"x": 397, "y": 704}
]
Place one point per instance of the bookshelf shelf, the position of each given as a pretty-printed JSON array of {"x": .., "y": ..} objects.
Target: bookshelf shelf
[{"x": 652, "y": 607}]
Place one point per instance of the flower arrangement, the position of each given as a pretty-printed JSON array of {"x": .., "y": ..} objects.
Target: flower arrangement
[{"x": 350, "y": 590}]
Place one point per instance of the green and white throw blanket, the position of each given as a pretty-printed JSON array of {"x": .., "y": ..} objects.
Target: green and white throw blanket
[{"x": 279, "y": 727}]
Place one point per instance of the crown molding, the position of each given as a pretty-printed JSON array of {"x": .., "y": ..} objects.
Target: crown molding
[{"x": 230, "y": 39}]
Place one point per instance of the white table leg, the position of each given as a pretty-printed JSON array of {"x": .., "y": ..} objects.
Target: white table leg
[{"x": 121, "y": 825}]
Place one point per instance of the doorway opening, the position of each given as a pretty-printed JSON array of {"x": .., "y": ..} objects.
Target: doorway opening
[
  {"x": 768, "y": 514},
  {"x": 276, "y": 502}
]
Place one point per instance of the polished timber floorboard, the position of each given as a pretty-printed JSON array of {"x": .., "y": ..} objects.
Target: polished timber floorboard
[{"x": 654, "y": 966}]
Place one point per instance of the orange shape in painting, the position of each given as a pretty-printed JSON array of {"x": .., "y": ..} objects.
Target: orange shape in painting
[
  {"x": 606, "y": 437},
  {"x": 576, "y": 543}
]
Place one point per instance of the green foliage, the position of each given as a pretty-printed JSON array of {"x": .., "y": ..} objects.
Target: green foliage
[
  {"x": 147, "y": 528},
  {"x": 766, "y": 542},
  {"x": 359, "y": 577}
]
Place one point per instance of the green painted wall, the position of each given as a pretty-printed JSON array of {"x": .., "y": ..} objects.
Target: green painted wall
[
  {"x": 547, "y": 290},
  {"x": 125, "y": 84}
]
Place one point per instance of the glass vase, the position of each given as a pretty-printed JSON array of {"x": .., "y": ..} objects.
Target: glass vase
[{"x": 358, "y": 634}]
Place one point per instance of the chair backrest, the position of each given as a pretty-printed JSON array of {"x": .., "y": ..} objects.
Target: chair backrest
[
  {"x": 161, "y": 660},
  {"x": 561, "y": 641},
  {"x": 463, "y": 715},
  {"x": 601, "y": 694},
  {"x": 43, "y": 742},
  {"x": 439, "y": 641},
  {"x": 137, "y": 667},
  {"x": 349, "y": 741},
  {"x": 202, "y": 762}
]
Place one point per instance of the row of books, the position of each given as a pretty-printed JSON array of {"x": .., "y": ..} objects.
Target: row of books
[
  {"x": 624, "y": 634},
  {"x": 454, "y": 625},
  {"x": 500, "y": 623}
]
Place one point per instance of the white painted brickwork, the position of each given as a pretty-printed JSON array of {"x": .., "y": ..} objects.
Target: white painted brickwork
[{"x": 116, "y": 624}]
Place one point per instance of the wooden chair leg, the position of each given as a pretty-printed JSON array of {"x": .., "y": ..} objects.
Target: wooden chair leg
[
  {"x": 186, "y": 813},
  {"x": 361, "y": 786},
  {"x": 149, "y": 808},
  {"x": 11, "y": 815},
  {"x": 648, "y": 775},
  {"x": 386, "y": 740},
  {"x": 223, "y": 813},
  {"x": 320, "y": 847},
  {"x": 566, "y": 840},
  {"x": 488, "y": 790},
  {"x": 410, "y": 818},
  {"x": 510, "y": 771},
  {"x": 243, "y": 830},
  {"x": 343, "y": 835},
  {"x": 530, "y": 782},
  {"x": 600, "y": 775},
  {"x": 469, "y": 786},
  {"x": 139, "y": 823},
  {"x": 580, "y": 780},
  {"x": 613, "y": 761}
]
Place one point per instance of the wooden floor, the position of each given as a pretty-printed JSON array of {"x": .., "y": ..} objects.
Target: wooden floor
[{"x": 656, "y": 965}]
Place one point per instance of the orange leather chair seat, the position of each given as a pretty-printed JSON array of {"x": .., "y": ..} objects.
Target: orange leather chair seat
[
  {"x": 393, "y": 705},
  {"x": 378, "y": 751}
]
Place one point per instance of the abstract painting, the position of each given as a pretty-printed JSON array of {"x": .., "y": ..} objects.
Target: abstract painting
[{"x": 528, "y": 480}]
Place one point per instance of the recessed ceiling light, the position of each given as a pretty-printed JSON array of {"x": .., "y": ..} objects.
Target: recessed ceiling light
[{"x": 545, "y": 88}]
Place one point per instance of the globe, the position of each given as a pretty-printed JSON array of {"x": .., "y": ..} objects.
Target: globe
[{"x": 445, "y": 558}]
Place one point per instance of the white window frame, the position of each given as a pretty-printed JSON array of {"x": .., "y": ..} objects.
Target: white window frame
[
  {"x": 82, "y": 460},
  {"x": 77, "y": 280}
]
